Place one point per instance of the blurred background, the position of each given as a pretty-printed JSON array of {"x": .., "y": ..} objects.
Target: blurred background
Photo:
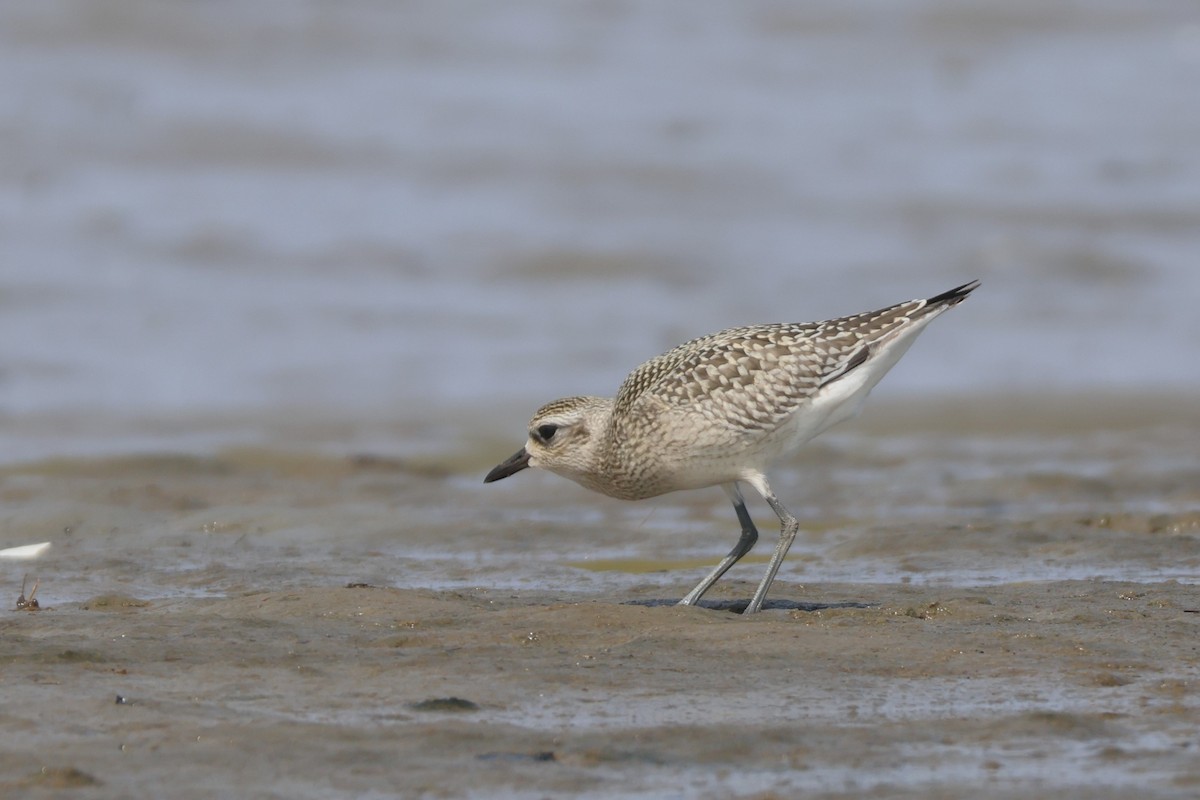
[{"x": 407, "y": 225}]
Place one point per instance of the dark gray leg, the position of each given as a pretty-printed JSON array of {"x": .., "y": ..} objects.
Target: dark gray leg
[
  {"x": 748, "y": 538},
  {"x": 786, "y": 536}
]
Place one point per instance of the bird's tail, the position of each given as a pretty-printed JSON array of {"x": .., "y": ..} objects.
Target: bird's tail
[{"x": 952, "y": 297}]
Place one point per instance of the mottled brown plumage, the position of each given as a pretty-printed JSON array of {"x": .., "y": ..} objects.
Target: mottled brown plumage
[{"x": 722, "y": 409}]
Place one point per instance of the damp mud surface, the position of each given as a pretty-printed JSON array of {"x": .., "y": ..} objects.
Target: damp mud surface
[{"x": 983, "y": 605}]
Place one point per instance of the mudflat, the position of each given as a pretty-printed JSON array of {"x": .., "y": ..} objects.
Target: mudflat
[{"x": 977, "y": 606}]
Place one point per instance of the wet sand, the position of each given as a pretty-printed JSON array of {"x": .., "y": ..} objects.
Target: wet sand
[{"x": 977, "y": 606}]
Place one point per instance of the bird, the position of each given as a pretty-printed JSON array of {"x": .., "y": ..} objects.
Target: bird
[{"x": 721, "y": 410}]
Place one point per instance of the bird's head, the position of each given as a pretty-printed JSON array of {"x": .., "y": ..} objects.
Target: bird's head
[{"x": 563, "y": 438}]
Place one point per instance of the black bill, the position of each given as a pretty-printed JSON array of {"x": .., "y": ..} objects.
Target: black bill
[{"x": 518, "y": 462}]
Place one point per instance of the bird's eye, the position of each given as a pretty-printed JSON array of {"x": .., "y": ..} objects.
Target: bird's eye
[{"x": 546, "y": 432}]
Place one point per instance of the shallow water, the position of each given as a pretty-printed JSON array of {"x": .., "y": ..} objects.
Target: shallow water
[{"x": 472, "y": 209}]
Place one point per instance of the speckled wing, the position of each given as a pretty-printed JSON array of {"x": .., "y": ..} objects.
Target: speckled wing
[{"x": 752, "y": 378}]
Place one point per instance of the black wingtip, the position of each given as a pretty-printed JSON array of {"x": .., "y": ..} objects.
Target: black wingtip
[{"x": 953, "y": 296}]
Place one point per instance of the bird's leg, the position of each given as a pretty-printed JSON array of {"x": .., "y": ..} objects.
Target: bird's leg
[
  {"x": 744, "y": 544},
  {"x": 786, "y": 536}
]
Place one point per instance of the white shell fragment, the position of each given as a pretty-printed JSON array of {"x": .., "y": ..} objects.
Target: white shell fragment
[{"x": 25, "y": 551}]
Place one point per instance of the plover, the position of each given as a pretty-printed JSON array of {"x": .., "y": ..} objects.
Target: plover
[{"x": 721, "y": 410}]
